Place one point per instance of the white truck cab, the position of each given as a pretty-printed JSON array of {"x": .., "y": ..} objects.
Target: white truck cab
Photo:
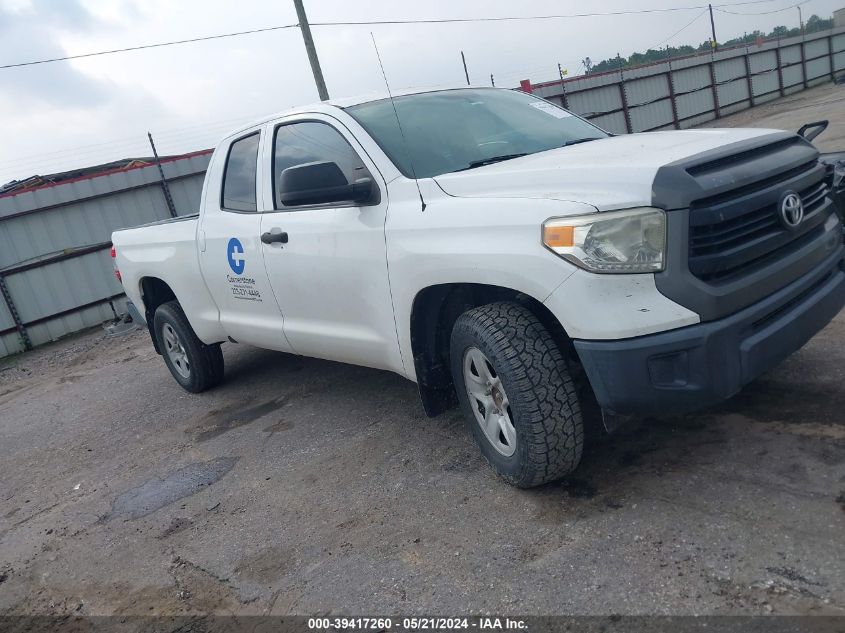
[{"x": 502, "y": 253}]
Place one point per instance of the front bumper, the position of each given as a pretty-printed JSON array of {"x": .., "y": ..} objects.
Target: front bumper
[{"x": 700, "y": 365}]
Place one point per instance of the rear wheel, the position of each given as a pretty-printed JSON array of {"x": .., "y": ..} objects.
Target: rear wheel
[
  {"x": 516, "y": 394},
  {"x": 193, "y": 364}
]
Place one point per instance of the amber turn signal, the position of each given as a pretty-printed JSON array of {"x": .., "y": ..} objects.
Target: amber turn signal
[{"x": 558, "y": 236}]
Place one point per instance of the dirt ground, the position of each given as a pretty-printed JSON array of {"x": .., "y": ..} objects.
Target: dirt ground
[{"x": 308, "y": 487}]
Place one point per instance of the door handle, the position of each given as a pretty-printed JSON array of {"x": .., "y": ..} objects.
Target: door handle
[{"x": 274, "y": 238}]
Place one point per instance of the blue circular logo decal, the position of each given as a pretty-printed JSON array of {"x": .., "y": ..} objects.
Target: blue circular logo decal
[{"x": 235, "y": 255}]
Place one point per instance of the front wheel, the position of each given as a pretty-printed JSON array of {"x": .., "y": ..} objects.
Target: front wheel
[
  {"x": 193, "y": 364},
  {"x": 516, "y": 394}
]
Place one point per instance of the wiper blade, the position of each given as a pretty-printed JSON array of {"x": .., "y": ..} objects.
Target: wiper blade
[
  {"x": 491, "y": 160},
  {"x": 581, "y": 140}
]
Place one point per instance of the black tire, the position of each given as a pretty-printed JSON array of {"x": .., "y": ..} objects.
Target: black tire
[
  {"x": 544, "y": 406},
  {"x": 205, "y": 362}
]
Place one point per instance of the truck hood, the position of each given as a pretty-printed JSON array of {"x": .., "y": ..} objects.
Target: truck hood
[{"x": 612, "y": 173}]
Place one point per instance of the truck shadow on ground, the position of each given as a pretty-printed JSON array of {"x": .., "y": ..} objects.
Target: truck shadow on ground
[
  {"x": 735, "y": 441},
  {"x": 619, "y": 468},
  {"x": 639, "y": 444},
  {"x": 772, "y": 398},
  {"x": 652, "y": 447},
  {"x": 252, "y": 362}
]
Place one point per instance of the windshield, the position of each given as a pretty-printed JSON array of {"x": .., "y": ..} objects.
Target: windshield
[{"x": 452, "y": 130}]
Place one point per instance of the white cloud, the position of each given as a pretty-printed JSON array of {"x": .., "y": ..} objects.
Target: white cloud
[{"x": 67, "y": 114}]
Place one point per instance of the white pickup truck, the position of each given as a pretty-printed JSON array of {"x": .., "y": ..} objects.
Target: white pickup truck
[{"x": 502, "y": 252}]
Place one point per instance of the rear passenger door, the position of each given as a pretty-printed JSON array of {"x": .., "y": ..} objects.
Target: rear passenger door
[
  {"x": 330, "y": 275},
  {"x": 229, "y": 242}
]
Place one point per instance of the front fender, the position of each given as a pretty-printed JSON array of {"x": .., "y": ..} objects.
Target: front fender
[{"x": 487, "y": 241}]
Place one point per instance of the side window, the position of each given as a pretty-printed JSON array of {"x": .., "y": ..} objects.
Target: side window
[
  {"x": 239, "y": 175},
  {"x": 312, "y": 142}
]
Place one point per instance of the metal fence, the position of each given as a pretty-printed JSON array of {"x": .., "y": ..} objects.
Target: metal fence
[
  {"x": 685, "y": 92},
  {"x": 55, "y": 269}
]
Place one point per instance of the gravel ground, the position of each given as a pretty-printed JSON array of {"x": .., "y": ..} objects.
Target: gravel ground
[{"x": 307, "y": 487}]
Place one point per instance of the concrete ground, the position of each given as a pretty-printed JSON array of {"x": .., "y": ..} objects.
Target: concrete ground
[
  {"x": 790, "y": 113},
  {"x": 309, "y": 487}
]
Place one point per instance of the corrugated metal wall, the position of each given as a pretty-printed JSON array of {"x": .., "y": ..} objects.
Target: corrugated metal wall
[
  {"x": 54, "y": 242},
  {"x": 686, "y": 92}
]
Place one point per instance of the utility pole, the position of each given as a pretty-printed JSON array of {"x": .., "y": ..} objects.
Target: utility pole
[
  {"x": 800, "y": 19},
  {"x": 715, "y": 44},
  {"x": 466, "y": 72},
  {"x": 312, "y": 52}
]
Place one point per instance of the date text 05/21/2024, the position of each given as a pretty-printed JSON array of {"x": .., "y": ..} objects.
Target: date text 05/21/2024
[{"x": 416, "y": 624}]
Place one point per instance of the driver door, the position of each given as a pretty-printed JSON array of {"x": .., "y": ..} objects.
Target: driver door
[{"x": 329, "y": 270}]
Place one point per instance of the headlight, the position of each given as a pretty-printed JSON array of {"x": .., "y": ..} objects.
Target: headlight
[{"x": 630, "y": 241}]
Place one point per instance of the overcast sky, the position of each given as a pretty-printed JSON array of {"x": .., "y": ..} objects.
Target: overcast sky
[{"x": 70, "y": 114}]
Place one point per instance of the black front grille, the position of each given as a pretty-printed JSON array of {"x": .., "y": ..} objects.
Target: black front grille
[{"x": 740, "y": 230}]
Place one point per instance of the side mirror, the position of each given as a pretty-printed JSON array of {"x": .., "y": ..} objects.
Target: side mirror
[
  {"x": 321, "y": 183},
  {"x": 812, "y": 130}
]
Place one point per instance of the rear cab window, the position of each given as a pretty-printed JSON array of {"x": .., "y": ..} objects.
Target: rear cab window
[{"x": 239, "y": 175}]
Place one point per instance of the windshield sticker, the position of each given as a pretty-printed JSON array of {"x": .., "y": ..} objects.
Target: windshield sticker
[
  {"x": 243, "y": 288},
  {"x": 548, "y": 108}
]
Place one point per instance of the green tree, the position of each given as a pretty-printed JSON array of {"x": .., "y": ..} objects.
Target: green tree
[
  {"x": 816, "y": 24},
  {"x": 813, "y": 25}
]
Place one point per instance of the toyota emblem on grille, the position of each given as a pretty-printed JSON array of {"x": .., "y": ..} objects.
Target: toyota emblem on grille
[{"x": 791, "y": 210}]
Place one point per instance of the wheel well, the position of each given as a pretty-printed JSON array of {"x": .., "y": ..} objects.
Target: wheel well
[
  {"x": 433, "y": 316},
  {"x": 154, "y": 292}
]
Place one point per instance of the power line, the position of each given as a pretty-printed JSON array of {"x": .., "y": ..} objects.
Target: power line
[
  {"x": 789, "y": 8},
  {"x": 127, "y": 145},
  {"x": 184, "y": 135},
  {"x": 167, "y": 138},
  {"x": 374, "y": 23},
  {"x": 679, "y": 31},
  {"x": 167, "y": 135},
  {"x": 146, "y": 46},
  {"x": 535, "y": 17},
  {"x": 117, "y": 151},
  {"x": 525, "y": 72},
  {"x": 209, "y": 130}
]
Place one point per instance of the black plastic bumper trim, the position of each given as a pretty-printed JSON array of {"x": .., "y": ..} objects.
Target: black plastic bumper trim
[{"x": 701, "y": 365}]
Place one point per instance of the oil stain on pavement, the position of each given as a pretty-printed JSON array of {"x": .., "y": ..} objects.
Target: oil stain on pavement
[
  {"x": 155, "y": 494},
  {"x": 217, "y": 423}
]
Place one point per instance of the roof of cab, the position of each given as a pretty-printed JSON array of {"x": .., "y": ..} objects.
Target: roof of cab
[{"x": 346, "y": 102}]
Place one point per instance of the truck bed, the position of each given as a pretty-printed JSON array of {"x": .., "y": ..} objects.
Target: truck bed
[
  {"x": 181, "y": 218},
  {"x": 166, "y": 251}
]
